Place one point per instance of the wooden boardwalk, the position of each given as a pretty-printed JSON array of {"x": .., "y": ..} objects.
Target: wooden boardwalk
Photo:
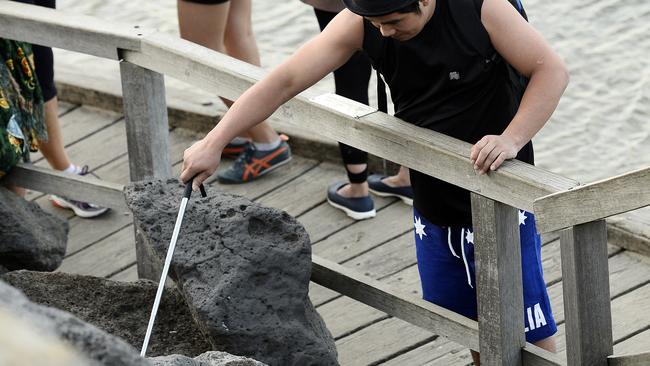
[{"x": 381, "y": 248}]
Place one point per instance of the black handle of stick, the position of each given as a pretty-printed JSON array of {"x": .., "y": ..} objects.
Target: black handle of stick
[{"x": 188, "y": 189}]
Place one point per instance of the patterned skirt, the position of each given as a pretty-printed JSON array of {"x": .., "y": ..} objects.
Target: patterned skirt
[{"x": 21, "y": 105}]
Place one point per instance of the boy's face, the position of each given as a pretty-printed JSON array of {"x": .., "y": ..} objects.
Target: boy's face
[{"x": 401, "y": 26}]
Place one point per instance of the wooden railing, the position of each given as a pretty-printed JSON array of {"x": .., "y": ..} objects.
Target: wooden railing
[{"x": 558, "y": 202}]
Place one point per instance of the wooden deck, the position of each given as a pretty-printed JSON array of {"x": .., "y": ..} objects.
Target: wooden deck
[{"x": 381, "y": 248}]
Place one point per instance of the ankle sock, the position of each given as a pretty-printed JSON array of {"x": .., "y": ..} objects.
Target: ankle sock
[
  {"x": 72, "y": 169},
  {"x": 267, "y": 146},
  {"x": 239, "y": 141}
]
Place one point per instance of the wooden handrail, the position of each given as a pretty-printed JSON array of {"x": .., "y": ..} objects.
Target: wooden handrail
[
  {"x": 49, "y": 27},
  {"x": 438, "y": 155},
  {"x": 593, "y": 201},
  {"x": 641, "y": 359},
  {"x": 86, "y": 188}
]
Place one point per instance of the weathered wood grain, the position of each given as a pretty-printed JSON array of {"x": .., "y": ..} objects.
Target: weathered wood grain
[
  {"x": 86, "y": 188},
  {"x": 586, "y": 294},
  {"x": 640, "y": 359},
  {"x": 382, "y": 297},
  {"x": 75, "y": 32},
  {"x": 594, "y": 201},
  {"x": 104, "y": 258},
  {"x": 499, "y": 290},
  {"x": 394, "y": 220}
]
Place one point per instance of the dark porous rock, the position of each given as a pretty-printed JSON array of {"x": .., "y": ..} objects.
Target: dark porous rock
[
  {"x": 119, "y": 308},
  {"x": 3, "y": 270},
  {"x": 243, "y": 269},
  {"x": 88, "y": 340},
  {"x": 212, "y": 358},
  {"x": 30, "y": 238}
]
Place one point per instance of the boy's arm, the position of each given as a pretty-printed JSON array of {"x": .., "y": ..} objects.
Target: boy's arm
[
  {"x": 313, "y": 61},
  {"x": 525, "y": 49}
]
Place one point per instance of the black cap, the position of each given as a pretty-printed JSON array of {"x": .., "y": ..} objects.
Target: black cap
[{"x": 373, "y": 8}]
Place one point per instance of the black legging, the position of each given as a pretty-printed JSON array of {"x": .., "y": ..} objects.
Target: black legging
[
  {"x": 351, "y": 81},
  {"x": 43, "y": 57}
]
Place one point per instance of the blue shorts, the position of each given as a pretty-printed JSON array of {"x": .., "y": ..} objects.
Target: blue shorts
[{"x": 447, "y": 272}]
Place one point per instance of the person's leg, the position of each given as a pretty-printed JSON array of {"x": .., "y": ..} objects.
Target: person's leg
[{"x": 53, "y": 149}]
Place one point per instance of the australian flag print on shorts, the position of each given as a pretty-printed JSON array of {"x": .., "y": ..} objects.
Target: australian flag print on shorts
[{"x": 446, "y": 263}]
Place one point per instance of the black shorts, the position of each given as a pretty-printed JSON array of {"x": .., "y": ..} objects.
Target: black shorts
[{"x": 207, "y": 2}]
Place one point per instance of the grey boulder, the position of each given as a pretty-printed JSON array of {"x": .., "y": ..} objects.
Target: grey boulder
[
  {"x": 211, "y": 358},
  {"x": 119, "y": 308},
  {"x": 30, "y": 237},
  {"x": 87, "y": 340},
  {"x": 243, "y": 269}
]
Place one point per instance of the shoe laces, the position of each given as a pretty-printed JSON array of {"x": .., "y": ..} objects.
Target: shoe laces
[
  {"x": 246, "y": 156},
  {"x": 83, "y": 171}
]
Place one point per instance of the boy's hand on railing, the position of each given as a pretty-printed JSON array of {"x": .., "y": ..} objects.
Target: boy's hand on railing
[
  {"x": 491, "y": 151},
  {"x": 200, "y": 161}
]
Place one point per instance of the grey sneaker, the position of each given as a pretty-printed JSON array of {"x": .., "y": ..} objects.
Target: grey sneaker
[{"x": 81, "y": 209}]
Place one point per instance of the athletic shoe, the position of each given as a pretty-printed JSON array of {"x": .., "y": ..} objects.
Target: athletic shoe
[
  {"x": 358, "y": 208},
  {"x": 81, "y": 209},
  {"x": 378, "y": 187},
  {"x": 253, "y": 163},
  {"x": 234, "y": 149}
]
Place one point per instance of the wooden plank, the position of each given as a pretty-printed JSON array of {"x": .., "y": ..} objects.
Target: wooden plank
[
  {"x": 641, "y": 359},
  {"x": 636, "y": 344},
  {"x": 629, "y": 316},
  {"x": 62, "y": 29},
  {"x": 515, "y": 183},
  {"x": 393, "y": 221},
  {"x": 586, "y": 294},
  {"x": 304, "y": 192},
  {"x": 319, "y": 294},
  {"x": 84, "y": 233},
  {"x": 80, "y": 123},
  {"x": 536, "y": 356},
  {"x": 104, "y": 258},
  {"x": 99, "y": 148},
  {"x": 145, "y": 111},
  {"x": 427, "y": 354},
  {"x": 130, "y": 274},
  {"x": 386, "y": 259},
  {"x": 626, "y": 271},
  {"x": 86, "y": 188},
  {"x": 318, "y": 229},
  {"x": 383, "y": 297},
  {"x": 379, "y": 341},
  {"x": 499, "y": 291},
  {"x": 344, "y": 316},
  {"x": 594, "y": 201}
]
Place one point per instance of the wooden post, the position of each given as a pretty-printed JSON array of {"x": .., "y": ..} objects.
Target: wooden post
[
  {"x": 587, "y": 306},
  {"x": 147, "y": 133},
  {"x": 499, "y": 284}
]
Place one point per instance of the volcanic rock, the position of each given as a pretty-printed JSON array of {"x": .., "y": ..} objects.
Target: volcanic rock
[
  {"x": 243, "y": 269},
  {"x": 30, "y": 237},
  {"x": 119, "y": 308},
  {"x": 88, "y": 340}
]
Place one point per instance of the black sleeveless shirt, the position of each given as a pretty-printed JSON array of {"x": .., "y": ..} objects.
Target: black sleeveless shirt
[{"x": 449, "y": 79}]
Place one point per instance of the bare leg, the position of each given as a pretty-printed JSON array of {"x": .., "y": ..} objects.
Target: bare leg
[
  {"x": 53, "y": 150},
  {"x": 401, "y": 179},
  {"x": 208, "y": 25},
  {"x": 546, "y": 343},
  {"x": 355, "y": 189}
]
